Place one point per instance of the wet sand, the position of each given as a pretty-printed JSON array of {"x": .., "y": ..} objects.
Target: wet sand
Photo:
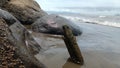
[{"x": 99, "y": 46}]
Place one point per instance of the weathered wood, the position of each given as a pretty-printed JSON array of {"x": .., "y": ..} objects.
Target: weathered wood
[{"x": 72, "y": 46}]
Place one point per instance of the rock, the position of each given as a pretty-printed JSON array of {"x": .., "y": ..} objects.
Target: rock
[
  {"x": 8, "y": 58},
  {"x": 24, "y": 43},
  {"x": 12, "y": 21},
  {"x": 2, "y": 2},
  {"x": 52, "y": 24},
  {"x": 26, "y": 11},
  {"x": 22, "y": 40}
]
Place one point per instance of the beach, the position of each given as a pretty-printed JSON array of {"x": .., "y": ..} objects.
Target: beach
[
  {"x": 99, "y": 45},
  {"x": 31, "y": 34}
]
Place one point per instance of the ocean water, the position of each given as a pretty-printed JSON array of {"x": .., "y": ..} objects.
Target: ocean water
[{"x": 109, "y": 16}]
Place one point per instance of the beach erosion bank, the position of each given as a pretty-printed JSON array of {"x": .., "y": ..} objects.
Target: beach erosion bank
[{"x": 99, "y": 45}]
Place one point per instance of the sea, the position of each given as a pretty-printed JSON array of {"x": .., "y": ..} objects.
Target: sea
[{"x": 109, "y": 16}]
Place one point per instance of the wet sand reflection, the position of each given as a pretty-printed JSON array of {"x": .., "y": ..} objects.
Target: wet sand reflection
[{"x": 70, "y": 64}]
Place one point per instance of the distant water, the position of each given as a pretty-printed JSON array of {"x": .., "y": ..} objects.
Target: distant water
[{"x": 109, "y": 16}]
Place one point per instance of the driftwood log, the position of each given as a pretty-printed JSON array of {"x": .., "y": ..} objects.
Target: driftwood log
[
  {"x": 72, "y": 46},
  {"x": 16, "y": 35}
]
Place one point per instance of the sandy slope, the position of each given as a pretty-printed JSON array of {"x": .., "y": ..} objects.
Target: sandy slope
[{"x": 99, "y": 46}]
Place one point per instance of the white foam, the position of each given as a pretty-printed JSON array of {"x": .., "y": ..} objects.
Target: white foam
[
  {"x": 102, "y": 16},
  {"x": 107, "y": 23}
]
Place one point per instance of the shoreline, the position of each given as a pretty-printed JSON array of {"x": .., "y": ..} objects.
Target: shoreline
[
  {"x": 87, "y": 20},
  {"x": 99, "y": 46}
]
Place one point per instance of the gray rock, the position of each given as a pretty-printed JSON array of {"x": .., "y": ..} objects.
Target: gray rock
[
  {"x": 26, "y": 11},
  {"x": 52, "y": 24},
  {"x": 8, "y": 17},
  {"x": 13, "y": 41},
  {"x": 19, "y": 32}
]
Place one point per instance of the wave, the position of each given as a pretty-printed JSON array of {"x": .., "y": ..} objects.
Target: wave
[
  {"x": 93, "y": 21},
  {"x": 86, "y": 10}
]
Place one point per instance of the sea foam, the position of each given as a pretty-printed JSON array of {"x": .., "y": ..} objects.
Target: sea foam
[{"x": 93, "y": 21}]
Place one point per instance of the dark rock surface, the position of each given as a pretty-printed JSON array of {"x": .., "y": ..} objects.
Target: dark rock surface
[
  {"x": 22, "y": 40},
  {"x": 26, "y": 11},
  {"x": 8, "y": 58},
  {"x": 2, "y": 2},
  {"x": 52, "y": 24},
  {"x": 19, "y": 31},
  {"x": 10, "y": 19}
]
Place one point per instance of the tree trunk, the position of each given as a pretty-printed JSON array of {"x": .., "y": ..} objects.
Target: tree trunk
[{"x": 72, "y": 46}]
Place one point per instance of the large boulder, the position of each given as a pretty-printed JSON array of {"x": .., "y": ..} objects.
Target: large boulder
[
  {"x": 19, "y": 31},
  {"x": 21, "y": 39},
  {"x": 52, "y": 24},
  {"x": 7, "y": 49},
  {"x": 26, "y": 11}
]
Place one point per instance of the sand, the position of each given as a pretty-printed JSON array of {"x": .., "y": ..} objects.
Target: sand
[{"x": 99, "y": 46}]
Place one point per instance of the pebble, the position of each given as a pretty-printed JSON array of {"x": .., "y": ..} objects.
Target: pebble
[{"x": 8, "y": 58}]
